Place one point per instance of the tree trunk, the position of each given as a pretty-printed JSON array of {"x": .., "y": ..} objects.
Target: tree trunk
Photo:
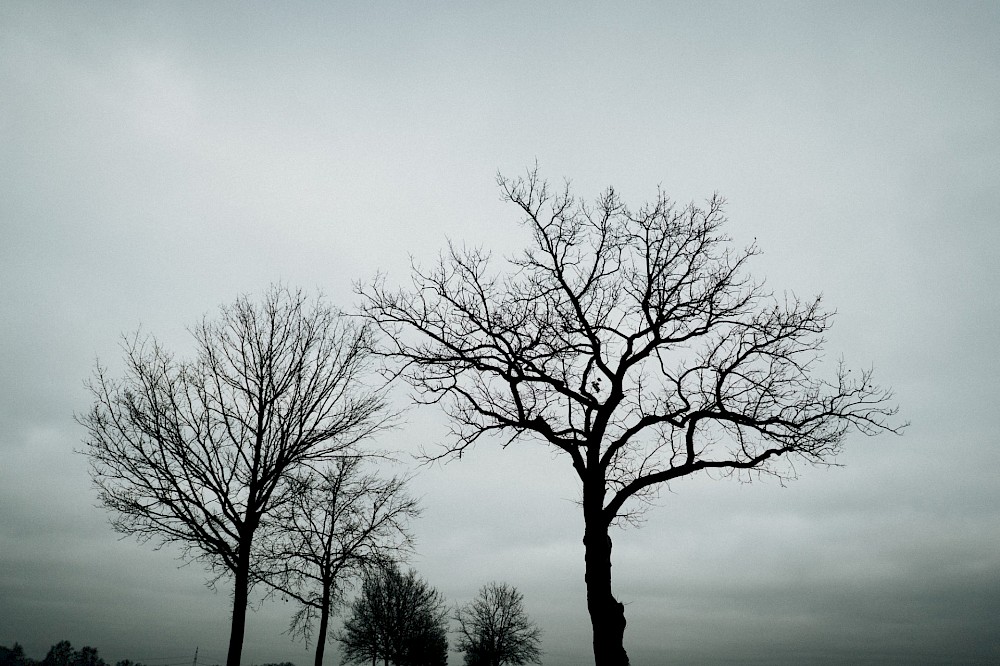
[
  {"x": 324, "y": 620},
  {"x": 607, "y": 614},
  {"x": 241, "y": 585}
]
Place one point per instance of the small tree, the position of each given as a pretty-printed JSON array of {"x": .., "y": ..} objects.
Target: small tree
[
  {"x": 398, "y": 619},
  {"x": 495, "y": 630},
  {"x": 200, "y": 453},
  {"x": 630, "y": 341},
  {"x": 341, "y": 523}
]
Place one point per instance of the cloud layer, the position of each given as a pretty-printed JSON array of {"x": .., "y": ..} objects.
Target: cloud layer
[{"x": 160, "y": 159}]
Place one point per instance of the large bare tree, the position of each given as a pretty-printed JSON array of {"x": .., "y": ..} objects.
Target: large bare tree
[
  {"x": 631, "y": 341},
  {"x": 343, "y": 523},
  {"x": 200, "y": 452}
]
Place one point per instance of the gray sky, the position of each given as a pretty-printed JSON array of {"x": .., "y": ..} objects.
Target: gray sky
[{"x": 158, "y": 159}]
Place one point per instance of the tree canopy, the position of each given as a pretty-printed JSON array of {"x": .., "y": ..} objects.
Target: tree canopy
[
  {"x": 494, "y": 629},
  {"x": 631, "y": 341},
  {"x": 397, "y": 618},
  {"x": 201, "y": 452},
  {"x": 342, "y": 523}
]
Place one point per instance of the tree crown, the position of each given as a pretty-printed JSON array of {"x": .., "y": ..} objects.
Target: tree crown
[
  {"x": 198, "y": 452},
  {"x": 494, "y": 628},
  {"x": 629, "y": 339}
]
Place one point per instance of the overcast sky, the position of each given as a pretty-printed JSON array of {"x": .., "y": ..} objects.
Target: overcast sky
[{"x": 159, "y": 159}]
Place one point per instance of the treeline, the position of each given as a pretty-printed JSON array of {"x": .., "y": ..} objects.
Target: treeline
[
  {"x": 60, "y": 654},
  {"x": 397, "y": 618},
  {"x": 63, "y": 654}
]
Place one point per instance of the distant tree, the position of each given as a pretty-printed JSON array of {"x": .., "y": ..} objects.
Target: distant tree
[
  {"x": 200, "y": 453},
  {"x": 631, "y": 342},
  {"x": 63, "y": 654},
  {"x": 494, "y": 629},
  {"x": 341, "y": 523},
  {"x": 87, "y": 656},
  {"x": 60, "y": 654},
  {"x": 14, "y": 656},
  {"x": 397, "y": 619}
]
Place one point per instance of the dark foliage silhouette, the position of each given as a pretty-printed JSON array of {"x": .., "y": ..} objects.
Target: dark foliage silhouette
[
  {"x": 14, "y": 656},
  {"x": 201, "y": 453},
  {"x": 341, "y": 523},
  {"x": 397, "y": 619},
  {"x": 495, "y": 630},
  {"x": 61, "y": 653},
  {"x": 630, "y": 341}
]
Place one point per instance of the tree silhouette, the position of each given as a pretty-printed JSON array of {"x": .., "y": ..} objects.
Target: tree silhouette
[
  {"x": 60, "y": 654},
  {"x": 63, "y": 654},
  {"x": 14, "y": 656},
  {"x": 87, "y": 656},
  {"x": 341, "y": 523},
  {"x": 200, "y": 453},
  {"x": 631, "y": 342},
  {"x": 494, "y": 629},
  {"x": 399, "y": 619}
]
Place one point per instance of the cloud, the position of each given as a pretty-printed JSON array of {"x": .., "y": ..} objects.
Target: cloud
[{"x": 161, "y": 159}]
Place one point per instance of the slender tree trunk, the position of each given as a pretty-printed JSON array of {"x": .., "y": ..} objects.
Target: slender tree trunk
[
  {"x": 324, "y": 620},
  {"x": 241, "y": 590},
  {"x": 607, "y": 614}
]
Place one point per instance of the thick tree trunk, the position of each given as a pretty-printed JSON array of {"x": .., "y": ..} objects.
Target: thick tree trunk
[
  {"x": 241, "y": 585},
  {"x": 607, "y": 614},
  {"x": 324, "y": 621}
]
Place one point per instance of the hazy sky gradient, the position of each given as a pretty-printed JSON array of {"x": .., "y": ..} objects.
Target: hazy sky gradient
[{"x": 158, "y": 159}]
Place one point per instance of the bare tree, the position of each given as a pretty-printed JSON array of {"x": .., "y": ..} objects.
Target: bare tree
[
  {"x": 399, "y": 619},
  {"x": 200, "y": 453},
  {"x": 341, "y": 524},
  {"x": 494, "y": 629},
  {"x": 631, "y": 341}
]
